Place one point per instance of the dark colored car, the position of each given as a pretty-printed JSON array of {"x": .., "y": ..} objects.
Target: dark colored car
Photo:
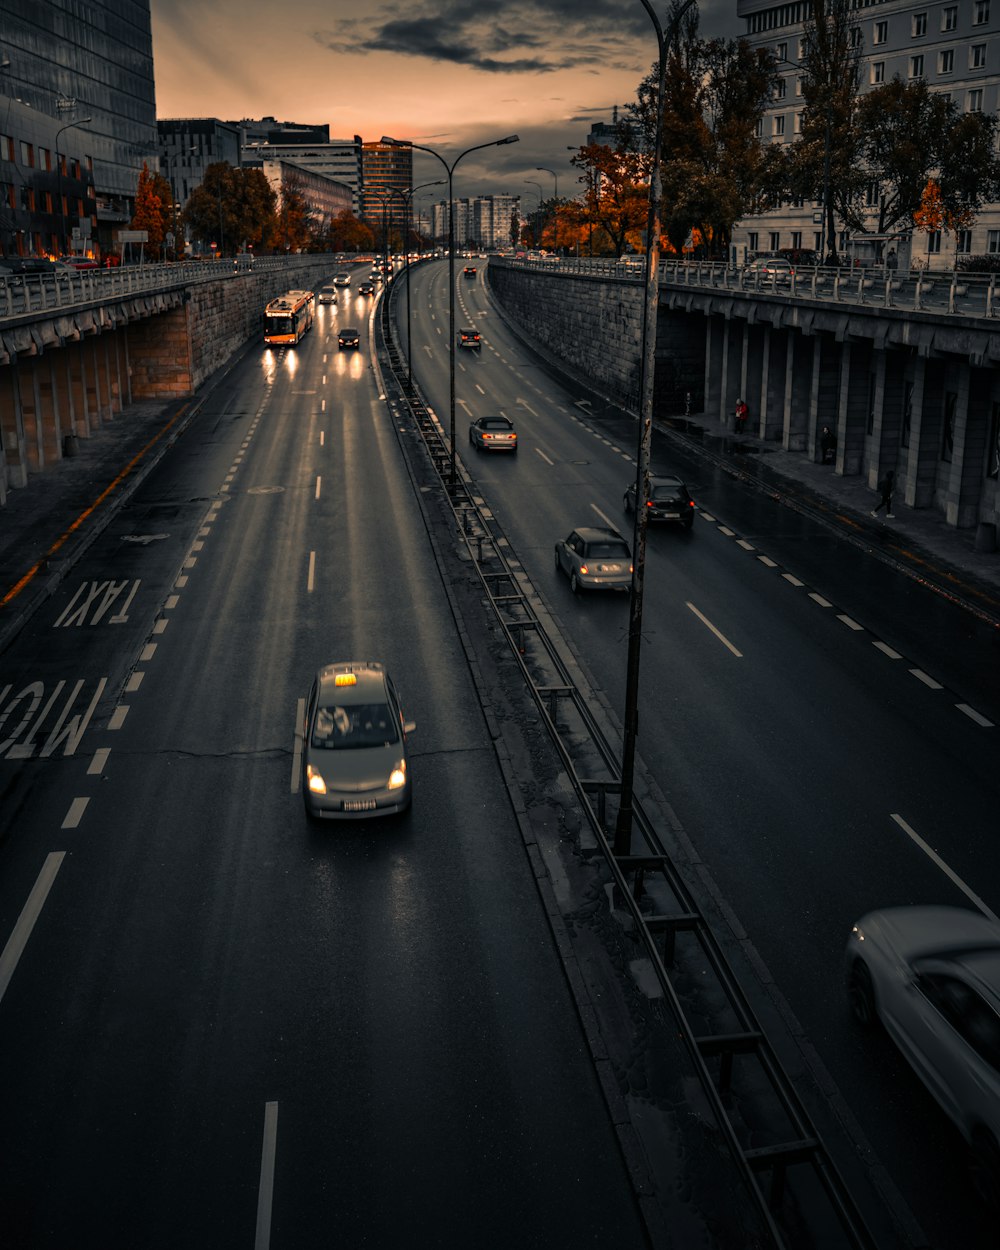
[
  {"x": 595, "y": 559},
  {"x": 469, "y": 338},
  {"x": 354, "y": 762},
  {"x": 348, "y": 337},
  {"x": 366, "y": 288},
  {"x": 669, "y": 500},
  {"x": 469, "y": 271},
  {"x": 493, "y": 434}
]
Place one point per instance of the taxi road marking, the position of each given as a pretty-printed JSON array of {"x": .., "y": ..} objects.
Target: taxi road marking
[{"x": 26, "y": 921}]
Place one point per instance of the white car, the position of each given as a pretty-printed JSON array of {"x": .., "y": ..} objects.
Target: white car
[
  {"x": 328, "y": 294},
  {"x": 342, "y": 279},
  {"x": 931, "y": 976}
]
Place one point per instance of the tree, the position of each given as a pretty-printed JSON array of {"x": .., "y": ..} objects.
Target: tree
[
  {"x": 296, "y": 221},
  {"x": 232, "y": 208},
  {"x": 615, "y": 198},
  {"x": 347, "y": 234},
  {"x": 149, "y": 211}
]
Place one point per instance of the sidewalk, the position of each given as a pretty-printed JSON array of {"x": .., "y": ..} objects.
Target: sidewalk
[
  {"x": 47, "y": 525},
  {"x": 917, "y": 542}
]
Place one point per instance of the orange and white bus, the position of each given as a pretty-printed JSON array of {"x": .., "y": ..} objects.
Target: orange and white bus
[{"x": 288, "y": 317}]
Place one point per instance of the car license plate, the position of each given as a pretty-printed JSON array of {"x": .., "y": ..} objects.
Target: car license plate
[
  {"x": 610, "y": 568},
  {"x": 672, "y": 516},
  {"x": 359, "y": 805}
]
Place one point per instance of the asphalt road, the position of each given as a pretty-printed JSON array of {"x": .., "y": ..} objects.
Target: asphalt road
[
  {"x": 808, "y": 712},
  {"x": 219, "y": 1026}
]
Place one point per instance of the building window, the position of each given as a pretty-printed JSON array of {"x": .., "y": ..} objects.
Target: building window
[
  {"x": 946, "y": 61},
  {"x": 878, "y": 72},
  {"x": 802, "y": 49},
  {"x": 775, "y": 237},
  {"x": 781, "y": 51},
  {"x": 779, "y": 126},
  {"x": 981, "y": 13},
  {"x": 949, "y": 18},
  {"x": 934, "y": 243},
  {"x": 946, "y": 96},
  {"x": 919, "y": 25},
  {"x": 798, "y": 86},
  {"x": 759, "y": 128},
  {"x": 797, "y": 240},
  {"x": 977, "y": 56},
  {"x": 780, "y": 87},
  {"x": 797, "y": 123},
  {"x": 6, "y": 148},
  {"x": 975, "y": 101},
  {"x": 881, "y": 33},
  {"x": 856, "y": 37},
  {"x": 963, "y": 242},
  {"x": 817, "y": 242},
  {"x": 993, "y": 242},
  {"x": 993, "y": 444},
  {"x": 916, "y": 66},
  {"x": 871, "y": 195},
  {"x": 752, "y": 240},
  {"x": 27, "y": 155}
]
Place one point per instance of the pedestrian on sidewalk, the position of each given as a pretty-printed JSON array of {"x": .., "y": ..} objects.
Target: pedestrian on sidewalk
[
  {"x": 886, "y": 486},
  {"x": 741, "y": 415}
]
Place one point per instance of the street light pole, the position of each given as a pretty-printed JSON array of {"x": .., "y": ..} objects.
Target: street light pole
[
  {"x": 63, "y": 249},
  {"x": 623, "y": 826},
  {"x": 555, "y": 216},
  {"x": 406, "y": 143}
]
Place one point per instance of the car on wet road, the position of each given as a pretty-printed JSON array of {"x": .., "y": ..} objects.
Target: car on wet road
[
  {"x": 493, "y": 434},
  {"x": 669, "y": 500},
  {"x": 594, "y": 558}
]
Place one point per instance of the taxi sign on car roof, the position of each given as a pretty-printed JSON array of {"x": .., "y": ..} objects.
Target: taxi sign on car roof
[{"x": 345, "y": 679}]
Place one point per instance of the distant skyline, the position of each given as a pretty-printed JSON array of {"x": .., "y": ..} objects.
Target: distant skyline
[{"x": 445, "y": 74}]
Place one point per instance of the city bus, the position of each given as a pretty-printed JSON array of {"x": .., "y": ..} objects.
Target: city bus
[{"x": 288, "y": 317}]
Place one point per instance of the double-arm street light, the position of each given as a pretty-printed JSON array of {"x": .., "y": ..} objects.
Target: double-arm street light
[
  {"x": 623, "y": 827},
  {"x": 406, "y": 143},
  {"x": 80, "y": 121},
  {"x": 543, "y": 169}
]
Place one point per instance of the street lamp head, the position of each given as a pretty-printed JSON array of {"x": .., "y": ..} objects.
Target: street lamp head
[{"x": 509, "y": 139}]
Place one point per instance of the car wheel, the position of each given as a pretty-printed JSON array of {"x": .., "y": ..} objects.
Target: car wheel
[
  {"x": 861, "y": 994},
  {"x": 574, "y": 583},
  {"x": 984, "y": 1167}
]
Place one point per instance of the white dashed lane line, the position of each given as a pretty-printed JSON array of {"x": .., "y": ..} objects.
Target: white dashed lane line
[
  {"x": 96, "y": 765},
  {"x": 75, "y": 814},
  {"x": 118, "y": 717},
  {"x": 928, "y": 681}
]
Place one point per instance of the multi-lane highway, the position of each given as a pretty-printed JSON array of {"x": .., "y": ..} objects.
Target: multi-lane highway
[
  {"x": 823, "y": 728},
  {"x": 221, "y": 1026}
]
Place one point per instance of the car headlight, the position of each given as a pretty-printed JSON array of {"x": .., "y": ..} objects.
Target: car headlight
[
  {"x": 315, "y": 782},
  {"x": 397, "y": 777}
]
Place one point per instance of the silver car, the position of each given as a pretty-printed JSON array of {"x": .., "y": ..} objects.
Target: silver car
[
  {"x": 493, "y": 434},
  {"x": 931, "y": 977},
  {"x": 595, "y": 559},
  {"x": 354, "y": 761}
]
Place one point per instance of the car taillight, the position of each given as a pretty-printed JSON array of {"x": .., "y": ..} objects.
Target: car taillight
[
  {"x": 690, "y": 503},
  {"x": 486, "y": 436}
]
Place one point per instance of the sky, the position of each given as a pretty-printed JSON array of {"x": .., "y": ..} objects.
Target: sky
[{"x": 448, "y": 74}]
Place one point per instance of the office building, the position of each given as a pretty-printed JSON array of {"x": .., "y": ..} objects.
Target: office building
[
  {"x": 337, "y": 159},
  {"x": 188, "y": 145},
  {"x": 386, "y": 184}
]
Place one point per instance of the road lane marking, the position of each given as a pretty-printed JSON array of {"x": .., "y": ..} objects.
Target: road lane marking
[
  {"x": 134, "y": 682},
  {"x": 767, "y": 562},
  {"x": 118, "y": 717},
  {"x": 190, "y": 562},
  {"x": 817, "y": 598},
  {"x": 480, "y": 389},
  {"x": 18, "y": 939},
  {"x": 96, "y": 766},
  {"x": 160, "y": 625},
  {"x": 974, "y": 715},
  {"x": 539, "y": 452},
  {"x": 707, "y": 516},
  {"x": 604, "y": 517},
  {"x": 181, "y": 581},
  {"x": 928, "y": 681},
  {"x": 887, "y": 650},
  {"x": 75, "y": 813},
  {"x": 721, "y": 637},
  {"x": 198, "y": 546},
  {"x": 851, "y": 624},
  {"x": 742, "y": 542},
  {"x": 319, "y": 483},
  {"x": 265, "y": 1190},
  {"x": 526, "y": 406},
  {"x": 300, "y": 716},
  {"x": 311, "y": 579},
  {"x": 148, "y": 651},
  {"x": 793, "y": 581},
  {"x": 724, "y": 529},
  {"x": 953, "y": 876}
]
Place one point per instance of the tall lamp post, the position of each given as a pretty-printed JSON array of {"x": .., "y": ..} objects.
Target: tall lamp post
[
  {"x": 81, "y": 121},
  {"x": 407, "y": 197},
  {"x": 623, "y": 826},
  {"x": 555, "y": 216},
  {"x": 406, "y": 143}
]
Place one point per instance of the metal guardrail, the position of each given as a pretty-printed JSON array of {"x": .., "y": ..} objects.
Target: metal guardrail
[
  {"x": 919, "y": 290},
  {"x": 63, "y": 290},
  {"x": 787, "y": 1171}
]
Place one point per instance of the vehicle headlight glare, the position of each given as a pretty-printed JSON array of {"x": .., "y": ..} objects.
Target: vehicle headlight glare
[
  {"x": 397, "y": 777},
  {"x": 316, "y": 783}
]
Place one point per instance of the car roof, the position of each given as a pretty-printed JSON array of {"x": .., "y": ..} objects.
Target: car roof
[
  {"x": 664, "y": 479},
  {"x": 596, "y": 534},
  {"x": 348, "y": 330},
  {"x": 500, "y": 419},
  {"x": 369, "y": 681}
]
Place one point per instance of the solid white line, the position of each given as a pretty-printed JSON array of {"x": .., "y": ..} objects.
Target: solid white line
[
  {"x": 265, "y": 1190},
  {"x": 928, "y": 681},
  {"x": 134, "y": 682},
  {"x": 604, "y": 517},
  {"x": 26, "y": 921},
  {"x": 539, "y": 452},
  {"x": 96, "y": 766},
  {"x": 75, "y": 814},
  {"x": 300, "y": 715},
  {"x": 148, "y": 651},
  {"x": 823, "y": 603},
  {"x": 887, "y": 650},
  {"x": 319, "y": 482},
  {"x": 721, "y": 637},
  {"x": 943, "y": 866},
  {"x": 794, "y": 581},
  {"x": 118, "y": 716},
  {"x": 311, "y": 579},
  {"x": 974, "y": 715},
  {"x": 767, "y": 561},
  {"x": 851, "y": 624}
]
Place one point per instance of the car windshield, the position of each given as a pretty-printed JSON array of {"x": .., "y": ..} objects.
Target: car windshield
[
  {"x": 496, "y": 423},
  {"x": 345, "y": 728},
  {"x": 670, "y": 491},
  {"x": 607, "y": 549}
]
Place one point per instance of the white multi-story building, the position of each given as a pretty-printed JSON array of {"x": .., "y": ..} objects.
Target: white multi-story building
[{"x": 954, "y": 45}]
